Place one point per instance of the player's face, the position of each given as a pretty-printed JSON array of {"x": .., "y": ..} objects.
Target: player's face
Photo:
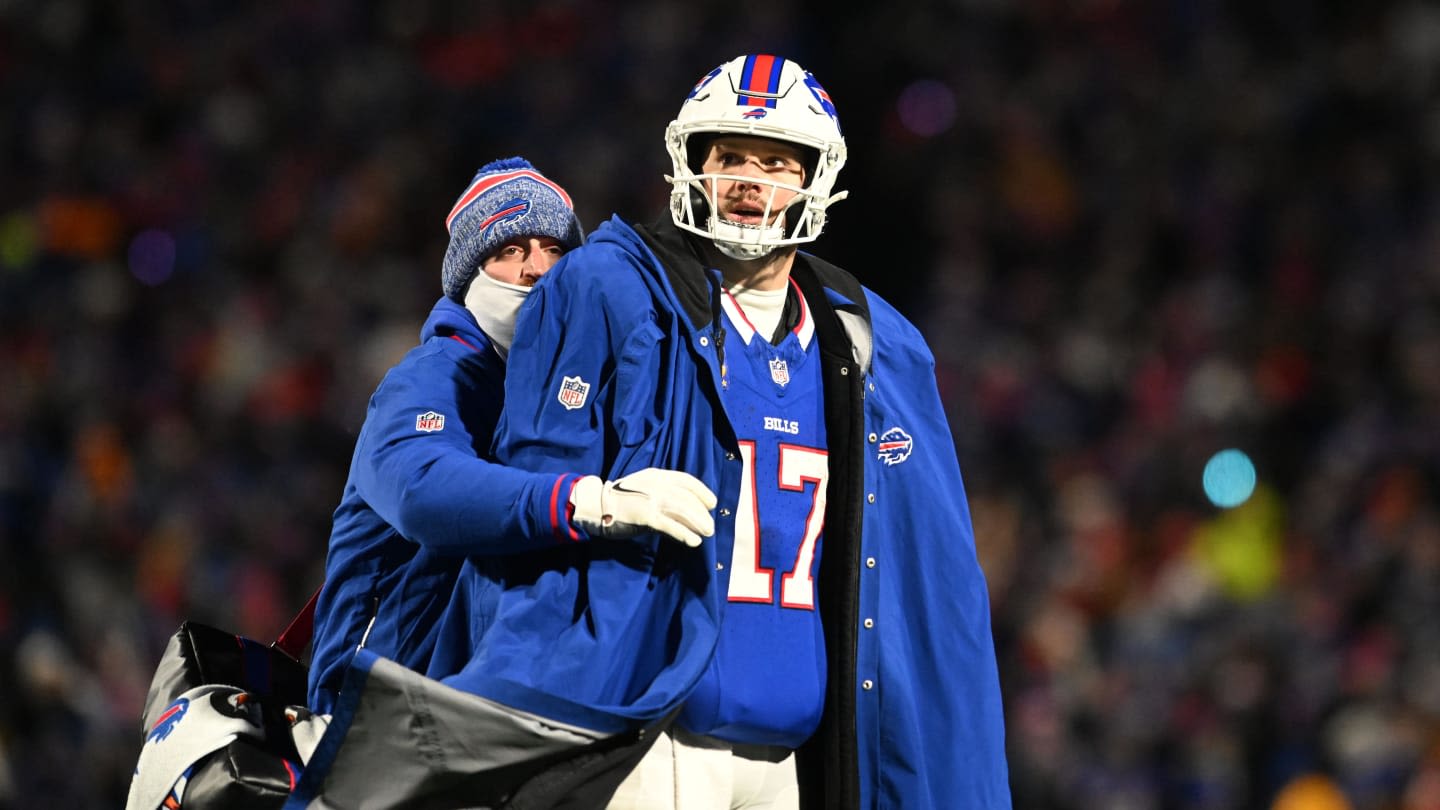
[
  {"x": 766, "y": 161},
  {"x": 523, "y": 260}
]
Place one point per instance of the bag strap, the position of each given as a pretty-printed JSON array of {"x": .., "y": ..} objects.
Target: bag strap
[{"x": 297, "y": 635}]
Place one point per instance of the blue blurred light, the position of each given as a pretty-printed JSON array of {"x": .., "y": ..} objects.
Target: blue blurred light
[{"x": 1229, "y": 478}]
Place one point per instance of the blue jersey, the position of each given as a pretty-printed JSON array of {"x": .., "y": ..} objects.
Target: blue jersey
[{"x": 766, "y": 683}]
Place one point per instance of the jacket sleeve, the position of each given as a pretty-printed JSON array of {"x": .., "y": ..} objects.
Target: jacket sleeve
[
  {"x": 581, "y": 388},
  {"x": 418, "y": 466}
]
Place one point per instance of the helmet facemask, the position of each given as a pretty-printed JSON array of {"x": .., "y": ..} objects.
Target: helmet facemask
[
  {"x": 764, "y": 97},
  {"x": 696, "y": 209}
]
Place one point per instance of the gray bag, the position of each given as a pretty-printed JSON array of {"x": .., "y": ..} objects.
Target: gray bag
[{"x": 399, "y": 739}]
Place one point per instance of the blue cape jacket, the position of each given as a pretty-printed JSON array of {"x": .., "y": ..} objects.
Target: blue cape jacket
[{"x": 615, "y": 368}]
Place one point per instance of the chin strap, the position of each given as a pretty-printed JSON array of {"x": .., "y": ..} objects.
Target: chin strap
[{"x": 743, "y": 252}]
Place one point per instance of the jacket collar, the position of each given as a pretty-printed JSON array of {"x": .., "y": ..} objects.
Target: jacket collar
[
  {"x": 685, "y": 267},
  {"x": 680, "y": 260}
]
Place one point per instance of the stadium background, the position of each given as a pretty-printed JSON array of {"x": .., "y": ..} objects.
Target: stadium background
[{"x": 1135, "y": 233}]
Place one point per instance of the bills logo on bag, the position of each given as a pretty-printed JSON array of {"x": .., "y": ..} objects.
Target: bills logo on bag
[
  {"x": 573, "y": 392},
  {"x": 429, "y": 422},
  {"x": 895, "y": 446},
  {"x": 168, "y": 720}
]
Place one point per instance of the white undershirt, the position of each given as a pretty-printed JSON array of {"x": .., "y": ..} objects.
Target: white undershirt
[{"x": 762, "y": 308}]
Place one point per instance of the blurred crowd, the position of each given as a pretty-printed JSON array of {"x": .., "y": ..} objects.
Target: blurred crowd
[{"x": 1134, "y": 233}]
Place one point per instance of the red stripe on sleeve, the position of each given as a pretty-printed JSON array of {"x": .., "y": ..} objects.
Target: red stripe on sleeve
[
  {"x": 560, "y": 524},
  {"x": 554, "y": 510},
  {"x": 570, "y": 509}
]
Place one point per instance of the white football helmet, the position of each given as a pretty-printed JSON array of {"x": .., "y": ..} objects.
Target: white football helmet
[{"x": 764, "y": 96}]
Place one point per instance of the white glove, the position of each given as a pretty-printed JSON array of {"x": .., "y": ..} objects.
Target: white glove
[{"x": 666, "y": 501}]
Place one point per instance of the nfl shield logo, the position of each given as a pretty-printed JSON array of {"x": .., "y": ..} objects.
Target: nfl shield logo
[
  {"x": 573, "y": 392},
  {"x": 429, "y": 422},
  {"x": 779, "y": 372}
]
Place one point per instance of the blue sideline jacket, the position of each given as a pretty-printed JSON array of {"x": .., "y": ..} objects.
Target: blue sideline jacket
[
  {"x": 615, "y": 368},
  {"x": 420, "y": 496}
]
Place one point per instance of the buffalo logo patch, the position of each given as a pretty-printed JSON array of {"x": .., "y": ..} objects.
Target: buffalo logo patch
[{"x": 895, "y": 446}]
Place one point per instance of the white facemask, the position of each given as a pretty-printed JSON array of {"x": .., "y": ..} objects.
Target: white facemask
[{"x": 495, "y": 305}]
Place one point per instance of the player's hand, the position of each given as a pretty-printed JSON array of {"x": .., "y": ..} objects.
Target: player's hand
[{"x": 672, "y": 503}]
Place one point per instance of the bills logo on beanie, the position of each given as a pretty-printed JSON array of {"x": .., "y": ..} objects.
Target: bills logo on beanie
[{"x": 507, "y": 199}]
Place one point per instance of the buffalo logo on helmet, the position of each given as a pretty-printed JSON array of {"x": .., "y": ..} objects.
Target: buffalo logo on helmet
[
  {"x": 169, "y": 719},
  {"x": 757, "y": 112},
  {"x": 895, "y": 446},
  {"x": 704, "y": 80},
  {"x": 823, "y": 97},
  {"x": 509, "y": 212}
]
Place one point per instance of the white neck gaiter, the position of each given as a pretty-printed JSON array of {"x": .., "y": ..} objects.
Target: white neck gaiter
[{"x": 494, "y": 305}]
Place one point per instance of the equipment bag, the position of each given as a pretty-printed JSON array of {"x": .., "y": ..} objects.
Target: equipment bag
[{"x": 218, "y": 717}]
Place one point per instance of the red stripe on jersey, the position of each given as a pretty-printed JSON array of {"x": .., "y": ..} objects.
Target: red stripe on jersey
[{"x": 741, "y": 310}]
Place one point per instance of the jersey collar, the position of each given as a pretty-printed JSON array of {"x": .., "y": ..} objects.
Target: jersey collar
[{"x": 804, "y": 328}]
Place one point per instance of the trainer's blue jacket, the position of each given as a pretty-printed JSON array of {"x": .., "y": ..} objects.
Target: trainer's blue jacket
[
  {"x": 616, "y": 367},
  {"x": 421, "y": 494}
]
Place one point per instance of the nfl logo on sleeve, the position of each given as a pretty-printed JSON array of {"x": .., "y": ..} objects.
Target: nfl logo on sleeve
[
  {"x": 573, "y": 392},
  {"x": 429, "y": 422}
]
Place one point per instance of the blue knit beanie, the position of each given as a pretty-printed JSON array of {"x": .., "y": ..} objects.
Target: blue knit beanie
[{"x": 507, "y": 198}]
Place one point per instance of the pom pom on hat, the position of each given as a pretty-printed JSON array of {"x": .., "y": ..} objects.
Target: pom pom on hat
[{"x": 507, "y": 199}]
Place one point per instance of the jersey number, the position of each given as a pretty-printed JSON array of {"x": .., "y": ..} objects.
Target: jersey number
[{"x": 749, "y": 581}]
